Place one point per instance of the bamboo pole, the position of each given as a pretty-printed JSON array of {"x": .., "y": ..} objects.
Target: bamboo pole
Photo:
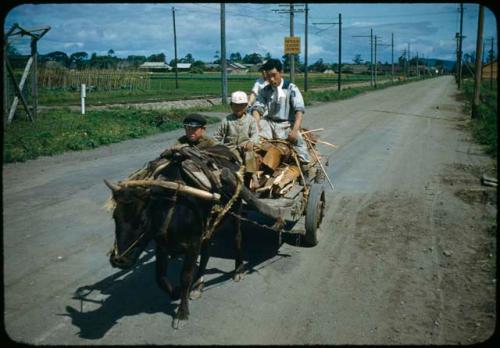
[
  {"x": 312, "y": 130},
  {"x": 173, "y": 186},
  {"x": 313, "y": 151}
]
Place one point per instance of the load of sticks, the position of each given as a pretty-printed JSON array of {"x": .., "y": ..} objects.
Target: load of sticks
[{"x": 273, "y": 167}]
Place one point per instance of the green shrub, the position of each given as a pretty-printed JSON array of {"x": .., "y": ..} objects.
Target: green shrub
[{"x": 484, "y": 127}]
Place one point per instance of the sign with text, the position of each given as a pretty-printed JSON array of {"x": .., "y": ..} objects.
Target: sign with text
[{"x": 292, "y": 45}]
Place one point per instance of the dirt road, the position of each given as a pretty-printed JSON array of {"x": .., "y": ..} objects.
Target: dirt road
[{"x": 407, "y": 251}]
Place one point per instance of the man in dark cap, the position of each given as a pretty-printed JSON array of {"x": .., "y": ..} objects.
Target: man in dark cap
[{"x": 195, "y": 126}]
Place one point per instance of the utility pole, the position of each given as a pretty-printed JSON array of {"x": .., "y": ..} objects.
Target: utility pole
[
  {"x": 371, "y": 57},
  {"x": 478, "y": 75},
  {"x": 305, "y": 44},
  {"x": 340, "y": 49},
  {"x": 377, "y": 43},
  {"x": 223, "y": 52},
  {"x": 175, "y": 50},
  {"x": 371, "y": 53},
  {"x": 291, "y": 11},
  {"x": 492, "y": 55},
  {"x": 460, "y": 47},
  {"x": 34, "y": 84},
  {"x": 392, "y": 57},
  {"x": 418, "y": 71},
  {"x": 292, "y": 56},
  {"x": 408, "y": 66},
  {"x": 375, "y": 57}
]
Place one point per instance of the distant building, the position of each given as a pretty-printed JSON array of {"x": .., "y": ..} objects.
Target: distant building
[
  {"x": 355, "y": 68},
  {"x": 236, "y": 68},
  {"x": 212, "y": 66},
  {"x": 329, "y": 71},
  {"x": 155, "y": 66},
  {"x": 488, "y": 70},
  {"x": 183, "y": 66}
]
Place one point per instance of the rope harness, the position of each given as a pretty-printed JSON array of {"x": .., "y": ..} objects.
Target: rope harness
[{"x": 219, "y": 212}]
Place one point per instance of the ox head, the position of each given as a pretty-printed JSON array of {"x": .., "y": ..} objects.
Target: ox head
[{"x": 131, "y": 224}]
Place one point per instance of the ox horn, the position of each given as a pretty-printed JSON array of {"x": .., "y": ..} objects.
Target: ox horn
[{"x": 113, "y": 187}]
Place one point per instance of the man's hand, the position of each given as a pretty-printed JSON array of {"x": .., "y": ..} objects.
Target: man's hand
[
  {"x": 248, "y": 146},
  {"x": 293, "y": 135}
]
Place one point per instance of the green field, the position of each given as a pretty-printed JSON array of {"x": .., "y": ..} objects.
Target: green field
[{"x": 190, "y": 86}]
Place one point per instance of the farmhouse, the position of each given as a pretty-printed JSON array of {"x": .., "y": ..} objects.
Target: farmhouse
[
  {"x": 236, "y": 68},
  {"x": 490, "y": 70},
  {"x": 155, "y": 66},
  {"x": 183, "y": 66}
]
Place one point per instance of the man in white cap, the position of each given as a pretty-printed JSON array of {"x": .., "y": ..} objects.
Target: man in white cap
[{"x": 238, "y": 130}]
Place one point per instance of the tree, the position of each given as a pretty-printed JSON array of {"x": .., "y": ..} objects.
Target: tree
[
  {"x": 157, "y": 58},
  {"x": 491, "y": 56},
  {"x": 57, "y": 56},
  {"x": 402, "y": 59},
  {"x": 111, "y": 52},
  {"x": 318, "y": 66},
  {"x": 216, "y": 58},
  {"x": 357, "y": 59},
  {"x": 187, "y": 59},
  {"x": 135, "y": 61},
  {"x": 78, "y": 59},
  {"x": 11, "y": 50},
  {"x": 235, "y": 57},
  {"x": 267, "y": 56},
  {"x": 253, "y": 58},
  {"x": 286, "y": 62}
]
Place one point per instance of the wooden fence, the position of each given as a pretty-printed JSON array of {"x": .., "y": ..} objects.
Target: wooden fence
[{"x": 94, "y": 79}]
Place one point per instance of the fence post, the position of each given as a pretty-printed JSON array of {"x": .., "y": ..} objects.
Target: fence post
[{"x": 83, "y": 95}]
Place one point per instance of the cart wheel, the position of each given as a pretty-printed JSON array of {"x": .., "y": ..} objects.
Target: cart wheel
[{"x": 314, "y": 213}]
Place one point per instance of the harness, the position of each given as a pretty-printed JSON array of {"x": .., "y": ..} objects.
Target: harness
[{"x": 217, "y": 212}]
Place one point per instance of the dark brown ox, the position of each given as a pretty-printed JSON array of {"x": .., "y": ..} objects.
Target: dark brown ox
[{"x": 174, "y": 213}]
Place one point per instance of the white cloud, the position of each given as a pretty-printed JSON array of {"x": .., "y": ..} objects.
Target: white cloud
[{"x": 250, "y": 27}]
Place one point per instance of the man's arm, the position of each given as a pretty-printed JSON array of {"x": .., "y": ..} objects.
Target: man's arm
[
  {"x": 220, "y": 132},
  {"x": 258, "y": 108},
  {"x": 299, "y": 107},
  {"x": 294, "y": 133}
]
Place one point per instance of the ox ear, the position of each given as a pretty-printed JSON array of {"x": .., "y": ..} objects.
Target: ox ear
[{"x": 112, "y": 187}]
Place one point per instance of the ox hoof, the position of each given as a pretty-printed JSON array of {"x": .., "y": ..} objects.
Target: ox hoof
[
  {"x": 179, "y": 324},
  {"x": 238, "y": 277},
  {"x": 195, "y": 294}
]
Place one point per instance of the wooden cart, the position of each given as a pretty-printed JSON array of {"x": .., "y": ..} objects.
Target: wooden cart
[{"x": 304, "y": 198}]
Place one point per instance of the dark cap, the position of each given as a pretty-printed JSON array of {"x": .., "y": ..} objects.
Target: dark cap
[{"x": 194, "y": 120}]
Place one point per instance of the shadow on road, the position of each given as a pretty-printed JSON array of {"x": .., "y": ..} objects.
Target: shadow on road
[
  {"x": 132, "y": 292},
  {"x": 129, "y": 293}
]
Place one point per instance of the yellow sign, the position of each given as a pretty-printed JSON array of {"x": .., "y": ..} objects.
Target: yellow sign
[{"x": 292, "y": 45}]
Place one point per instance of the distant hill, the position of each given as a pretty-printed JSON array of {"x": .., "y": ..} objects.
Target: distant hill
[{"x": 448, "y": 64}]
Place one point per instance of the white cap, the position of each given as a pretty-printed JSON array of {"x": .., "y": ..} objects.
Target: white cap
[{"x": 239, "y": 97}]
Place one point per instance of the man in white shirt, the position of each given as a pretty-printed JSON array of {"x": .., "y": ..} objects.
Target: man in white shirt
[
  {"x": 258, "y": 86},
  {"x": 285, "y": 109}
]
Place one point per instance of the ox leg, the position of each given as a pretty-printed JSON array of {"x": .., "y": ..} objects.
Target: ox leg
[
  {"x": 186, "y": 280},
  {"x": 238, "y": 260},
  {"x": 161, "y": 273},
  {"x": 199, "y": 283}
]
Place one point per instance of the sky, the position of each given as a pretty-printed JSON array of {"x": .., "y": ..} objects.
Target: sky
[{"x": 147, "y": 28}]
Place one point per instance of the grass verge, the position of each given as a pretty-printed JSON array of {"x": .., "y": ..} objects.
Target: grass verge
[
  {"x": 61, "y": 130},
  {"x": 484, "y": 127}
]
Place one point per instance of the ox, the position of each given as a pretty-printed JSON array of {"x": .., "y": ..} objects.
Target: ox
[{"x": 179, "y": 217}]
